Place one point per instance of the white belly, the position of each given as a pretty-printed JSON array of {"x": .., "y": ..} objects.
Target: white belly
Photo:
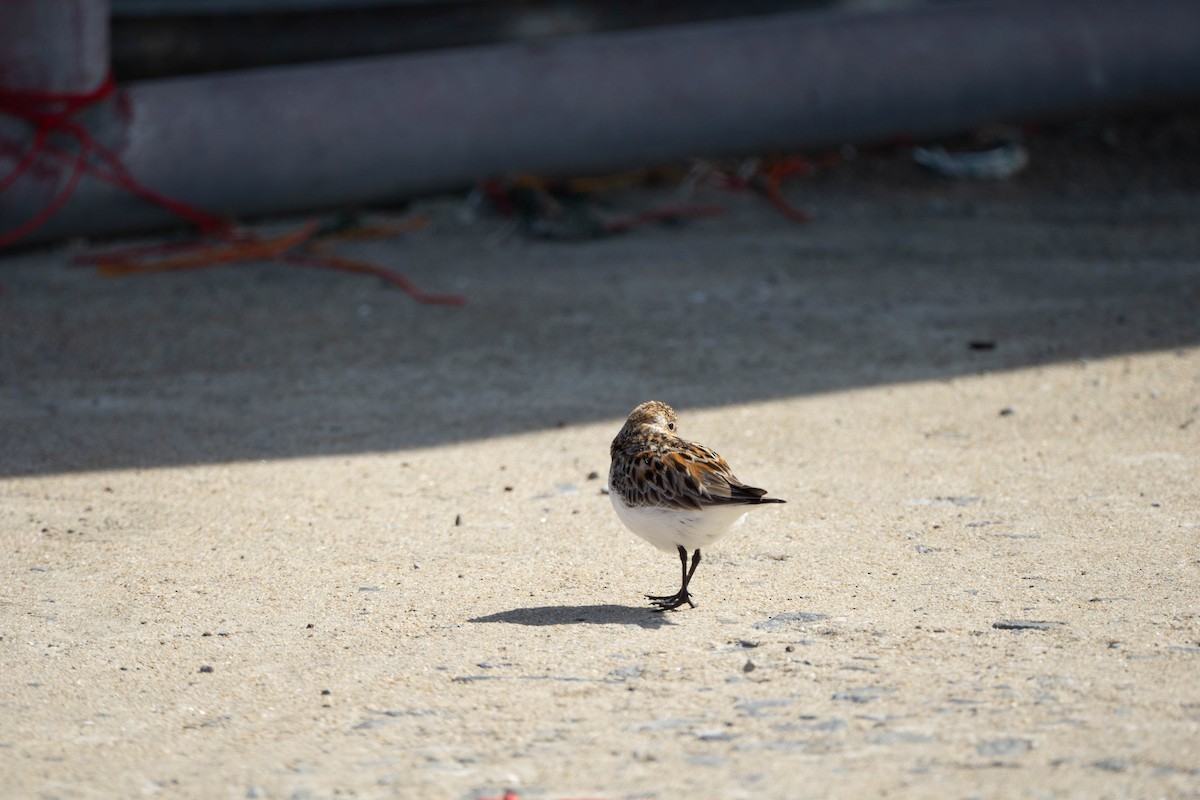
[{"x": 668, "y": 528}]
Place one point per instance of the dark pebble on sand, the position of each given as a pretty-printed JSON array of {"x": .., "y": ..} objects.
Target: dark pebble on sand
[{"x": 1026, "y": 625}]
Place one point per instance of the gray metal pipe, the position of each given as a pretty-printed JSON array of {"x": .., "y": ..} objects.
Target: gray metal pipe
[{"x": 384, "y": 128}]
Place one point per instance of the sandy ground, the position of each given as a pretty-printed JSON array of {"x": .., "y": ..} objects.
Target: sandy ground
[{"x": 271, "y": 532}]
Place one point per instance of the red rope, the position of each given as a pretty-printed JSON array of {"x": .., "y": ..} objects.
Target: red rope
[
  {"x": 49, "y": 113},
  {"x": 323, "y": 259},
  {"x": 52, "y": 115}
]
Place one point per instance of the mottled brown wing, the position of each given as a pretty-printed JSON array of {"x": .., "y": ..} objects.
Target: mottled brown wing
[
  {"x": 656, "y": 470},
  {"x": 643, "y": 480},
  {"x": 704, "y": 479}
]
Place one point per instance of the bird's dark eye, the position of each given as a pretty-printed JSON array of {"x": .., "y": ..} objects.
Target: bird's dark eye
[{"x": 670, "y": 426}]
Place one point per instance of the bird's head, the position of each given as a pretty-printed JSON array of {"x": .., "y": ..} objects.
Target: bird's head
[{"x": 652, "y": 417}]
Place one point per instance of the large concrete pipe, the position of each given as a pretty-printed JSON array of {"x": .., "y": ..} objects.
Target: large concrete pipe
[{"x": 383, "y": 128}]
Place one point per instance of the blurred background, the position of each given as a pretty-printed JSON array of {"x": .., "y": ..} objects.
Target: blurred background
[
  {"x": 251, "y": 107},
  {"x": 156, "y": 38},
  {"x": 595, "y": 204}
]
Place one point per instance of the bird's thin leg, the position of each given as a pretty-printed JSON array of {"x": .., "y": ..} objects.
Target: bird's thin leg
[
  {"x": 687, "y": 579},
  {"x": 673, "y": 601}
]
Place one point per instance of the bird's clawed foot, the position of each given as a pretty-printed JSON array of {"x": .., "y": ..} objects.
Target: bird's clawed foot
[{"x": 670, "y": 602}]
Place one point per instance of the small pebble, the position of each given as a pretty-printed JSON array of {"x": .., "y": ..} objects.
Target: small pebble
[
  {"x": 749, "y": 666},
  {"x": 206, "y": 668},
  {"x": 1026, "y": 625},
  {"x": 457, "y": 520}
]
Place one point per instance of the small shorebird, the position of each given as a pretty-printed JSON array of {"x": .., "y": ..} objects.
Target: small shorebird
[{"x": 675, "y": 494}]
